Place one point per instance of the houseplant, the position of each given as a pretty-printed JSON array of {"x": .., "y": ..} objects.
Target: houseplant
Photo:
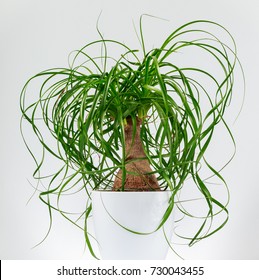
[{"x": 137, "y": 123}]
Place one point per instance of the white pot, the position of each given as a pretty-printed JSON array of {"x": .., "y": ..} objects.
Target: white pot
[{"x": 137, "y": 211}]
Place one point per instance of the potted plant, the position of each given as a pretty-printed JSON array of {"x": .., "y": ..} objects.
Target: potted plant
[{"x": 129, "y": 131}]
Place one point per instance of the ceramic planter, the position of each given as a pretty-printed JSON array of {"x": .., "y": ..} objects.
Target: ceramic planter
[{"x": 137, "y": 211}]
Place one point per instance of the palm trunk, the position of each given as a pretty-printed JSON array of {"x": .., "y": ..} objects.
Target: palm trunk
[{"x": 138, "y": 177}]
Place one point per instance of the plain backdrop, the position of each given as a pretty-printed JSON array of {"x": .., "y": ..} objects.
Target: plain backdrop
[{"x": 37, "y": 35}]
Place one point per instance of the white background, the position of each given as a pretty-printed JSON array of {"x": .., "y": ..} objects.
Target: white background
[{"x": 36, "y": 35}]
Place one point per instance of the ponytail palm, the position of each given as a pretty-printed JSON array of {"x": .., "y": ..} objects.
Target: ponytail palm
[{"x": 139, "y": 122}]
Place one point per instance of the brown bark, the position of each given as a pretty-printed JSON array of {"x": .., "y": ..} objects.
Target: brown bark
[{"x": 138, "y": 177}]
